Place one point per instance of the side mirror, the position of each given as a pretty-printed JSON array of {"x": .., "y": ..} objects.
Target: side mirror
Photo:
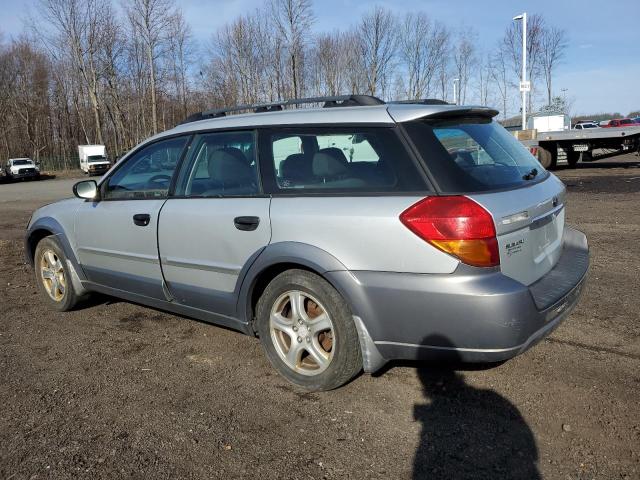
[{"x": 87, "y": 189}]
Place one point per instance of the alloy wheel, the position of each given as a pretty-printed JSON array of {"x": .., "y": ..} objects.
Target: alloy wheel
[
  {"x": 53, "y": 275},
  {"x": 302, "y": 332}
]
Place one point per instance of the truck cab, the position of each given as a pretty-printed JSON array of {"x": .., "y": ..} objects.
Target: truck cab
[{"x": 19, "y": 168}]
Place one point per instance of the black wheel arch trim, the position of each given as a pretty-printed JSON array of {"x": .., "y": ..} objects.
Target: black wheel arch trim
[
  {"x": 305, "y": 255},
  {"x": 51, "y": 225}
]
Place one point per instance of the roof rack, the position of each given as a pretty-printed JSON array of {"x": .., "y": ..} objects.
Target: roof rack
[
  {"x": 329, "y": 102},
  {"x": 423, "y": 101}
]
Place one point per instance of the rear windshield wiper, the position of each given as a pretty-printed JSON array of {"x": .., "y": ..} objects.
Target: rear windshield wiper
[{"x": 530, "y": 175}]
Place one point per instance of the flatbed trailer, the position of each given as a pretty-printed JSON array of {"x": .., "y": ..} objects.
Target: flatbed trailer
[{"x": 577, "y": 145}]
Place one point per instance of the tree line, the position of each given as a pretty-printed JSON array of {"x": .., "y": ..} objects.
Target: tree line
[{"x": 93, "y": 71}]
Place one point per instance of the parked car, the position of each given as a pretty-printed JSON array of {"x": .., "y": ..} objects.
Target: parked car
[
  {"x": 637, "y": 120},
  {"x": 585, "y": 125},
  {"x": 342, "y": 237},
  {"x": 620, "y": 122},
  {"x": 19, "y": 168}
]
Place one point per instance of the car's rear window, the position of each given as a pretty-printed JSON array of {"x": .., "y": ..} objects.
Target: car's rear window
[
  {"x": 341, "y": 159},
  {"x": 473, "y": 155}
]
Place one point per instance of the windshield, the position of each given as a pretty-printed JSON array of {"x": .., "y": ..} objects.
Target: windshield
[
  {"x": 22, "y": 162},
  {"x": 473, "y": 155},
  {"x": 96, "y": 158}
]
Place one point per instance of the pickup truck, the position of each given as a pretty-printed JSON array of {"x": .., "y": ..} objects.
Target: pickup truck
[
  {"x": 620, "y": 122},
  {"x": 19, "y": 168}
]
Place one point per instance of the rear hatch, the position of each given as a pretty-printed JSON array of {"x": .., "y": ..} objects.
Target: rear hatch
[
  {"x": 529, "y": 226},
  {"x": 469, "y": 154}
]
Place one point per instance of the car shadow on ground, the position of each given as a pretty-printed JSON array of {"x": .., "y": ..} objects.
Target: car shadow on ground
[
  {"x": 469, "y": 432},
  {"x": 43, "y": 176}
]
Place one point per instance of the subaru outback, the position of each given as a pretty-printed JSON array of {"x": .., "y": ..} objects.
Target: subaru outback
[{"x": 343, "y": 236}]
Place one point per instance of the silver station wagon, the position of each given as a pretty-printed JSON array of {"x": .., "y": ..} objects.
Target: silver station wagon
[{"x": 343, "y": 236}]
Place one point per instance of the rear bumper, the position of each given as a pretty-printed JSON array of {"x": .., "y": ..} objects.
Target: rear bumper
[{"x": 470, "y": 316}]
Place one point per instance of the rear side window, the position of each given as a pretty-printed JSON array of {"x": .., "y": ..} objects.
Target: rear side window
[
  {"x": 340, "y": 160},
  {"x": 473, "y": 155}
]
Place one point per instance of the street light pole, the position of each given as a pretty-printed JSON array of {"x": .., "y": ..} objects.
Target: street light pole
[
  {"x": 524, "y": 87},
  {"x": 456, "y": 82}
]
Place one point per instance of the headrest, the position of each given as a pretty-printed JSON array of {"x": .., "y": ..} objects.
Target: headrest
[
  {"x": 295, "y": 166},
  {"x": 330, "y": 162},
  {"x": 229, "y": 165}
]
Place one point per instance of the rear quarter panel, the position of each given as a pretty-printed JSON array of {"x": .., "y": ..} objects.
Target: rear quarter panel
[{"x": 363, "y": 233}]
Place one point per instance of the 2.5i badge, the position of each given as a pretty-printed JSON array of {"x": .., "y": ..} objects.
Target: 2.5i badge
[{"x": 514, "y": 247}]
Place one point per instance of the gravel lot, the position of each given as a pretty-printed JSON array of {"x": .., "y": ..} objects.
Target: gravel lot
[{"x": 119, "y": 390}]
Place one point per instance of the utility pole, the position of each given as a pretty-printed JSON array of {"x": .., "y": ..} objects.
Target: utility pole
[
  {"x": 525, "y": 86},
  {"x": 456, "y": 82}
]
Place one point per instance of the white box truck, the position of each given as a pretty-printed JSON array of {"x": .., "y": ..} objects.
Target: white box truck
[
  {"x": 549, "y": 122},
  {"x": 93, "y": 159}
]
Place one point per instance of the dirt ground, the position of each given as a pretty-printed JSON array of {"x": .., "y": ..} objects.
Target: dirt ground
[{"x": 119, "y": 390}]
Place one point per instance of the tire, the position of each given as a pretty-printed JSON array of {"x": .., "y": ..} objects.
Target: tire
[
  {"x": 52, "y": 275},
  {"x": 546, "y": 157},
  {"x": 572, "y": 158},
  {"x": 324, "y": 330}
]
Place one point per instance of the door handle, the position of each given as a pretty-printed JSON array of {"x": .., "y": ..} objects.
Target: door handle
[
  {"x": 141, "y": 219},
  {"x": 246, "y": 224}
]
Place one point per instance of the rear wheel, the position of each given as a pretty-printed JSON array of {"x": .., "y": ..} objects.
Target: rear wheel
[
  {"x": 547, "y": 156},
  {"x": 52, "y": 275},
  {"x": 307, "y": 332}
]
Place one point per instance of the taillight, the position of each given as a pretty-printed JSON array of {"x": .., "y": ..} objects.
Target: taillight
[{"x": 456, "y": 225}]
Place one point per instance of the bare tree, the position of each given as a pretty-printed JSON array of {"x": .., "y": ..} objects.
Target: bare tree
[
  {"x": 181, "y": 56},
  {"x": 29, "y": 94},
  {"x": 552, "y": 47},
  {"x": 484, "y": 79},
  {"x": 293, "y": 20},
  {"x": 377, "y": 39},
  {"x": 78, "y": 26},
  {"x": 464, "y": 59},
  {"x": 151, "y": 19},
  {"x": 330, "y": 64},
  {"x": 512, "y": 44},
  {"x": 500, "y": 76},
  {"x": 421, "y": 46},
  {"x": 242, "y": 67}
]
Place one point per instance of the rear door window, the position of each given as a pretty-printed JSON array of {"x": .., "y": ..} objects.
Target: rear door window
[
  {"x": 473, "y": 155},
  {"x": 220, "y": 164},
  {"x": 339, "y": 160}
]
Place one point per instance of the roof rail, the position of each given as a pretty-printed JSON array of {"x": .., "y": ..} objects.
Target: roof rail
[
  {"x": 422, "y": 101},
  {"x": 333, "y": 101}
]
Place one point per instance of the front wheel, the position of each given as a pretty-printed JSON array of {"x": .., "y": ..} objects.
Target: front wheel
[
  {"x": 53, "y": 277},
  {"x": 307, "y": 331}
]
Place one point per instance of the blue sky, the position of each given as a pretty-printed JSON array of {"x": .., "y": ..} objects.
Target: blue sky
[{"x": 601, "y": 69}]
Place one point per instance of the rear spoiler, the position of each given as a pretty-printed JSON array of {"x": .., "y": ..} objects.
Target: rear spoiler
[{"x": 408, "y": 112}]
